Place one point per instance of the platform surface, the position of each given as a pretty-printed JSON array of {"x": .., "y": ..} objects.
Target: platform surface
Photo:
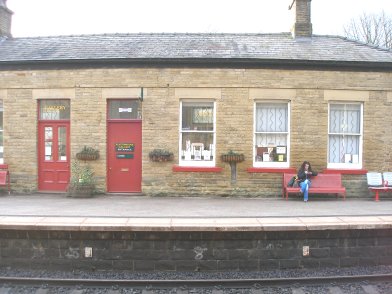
[{"x": 125, "y": 212}]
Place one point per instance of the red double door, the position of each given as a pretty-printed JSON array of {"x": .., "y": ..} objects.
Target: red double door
[
  {"x": 124, "y": 149},
  {"x": 54, "y": 156},
  {"x": 124, "y": 162}
]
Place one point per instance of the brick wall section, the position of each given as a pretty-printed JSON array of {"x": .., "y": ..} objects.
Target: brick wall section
[
  {"x": 160, "y": 130},
  {"x": 309, "y": 119},
  {"x": 195, "y": 251},
  {"x": 20, "y": 139},
  {"x": 309, "y": 125},
  {"x": 376, "y": 119},
  {"x": 88, "y": 103}
]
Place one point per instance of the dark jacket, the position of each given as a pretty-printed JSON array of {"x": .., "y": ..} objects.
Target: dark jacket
[{"x": 302, "y": 176}]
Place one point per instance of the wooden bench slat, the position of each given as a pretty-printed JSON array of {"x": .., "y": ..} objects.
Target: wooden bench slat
[{"x": 3, "y": 178}]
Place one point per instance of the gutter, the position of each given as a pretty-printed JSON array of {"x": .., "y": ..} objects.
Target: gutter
[{"x": 198, "y": 63}]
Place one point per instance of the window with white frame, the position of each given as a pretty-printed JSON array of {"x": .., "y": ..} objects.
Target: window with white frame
[
  {"x": 345, "y": 135},
  {"x": 271, "y": 136},
  {"x": 197, "y": 133},
  {"x": 1, "y": 133}
]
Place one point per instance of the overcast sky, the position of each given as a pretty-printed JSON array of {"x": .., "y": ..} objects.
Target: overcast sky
[{"x": 70, "y": 17}]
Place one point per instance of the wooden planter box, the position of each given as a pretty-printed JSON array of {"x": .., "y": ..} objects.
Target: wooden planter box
[
  {"x": 232, "y": 157},
  {"x": 81, "y": 191},
  {"x": 161, "y": 158},
  {"x": 87, "y": 156}
]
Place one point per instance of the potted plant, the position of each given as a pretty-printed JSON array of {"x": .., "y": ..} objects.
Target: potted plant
[
  {"x": 159, "y": 155},
  {"x": 82, "y": 183},
  {"x": 88, "y": 153}
]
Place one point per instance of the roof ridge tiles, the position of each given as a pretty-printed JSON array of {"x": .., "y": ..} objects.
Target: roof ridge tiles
[{"x": 152, "y": 34}]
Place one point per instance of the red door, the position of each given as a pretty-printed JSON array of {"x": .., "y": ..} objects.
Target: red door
[
  {"x": 124, "y": 169},
  {"x": 53, "y": 149}
]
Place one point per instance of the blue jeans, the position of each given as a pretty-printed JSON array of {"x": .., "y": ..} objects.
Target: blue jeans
[{"x": 305, "y": 185}]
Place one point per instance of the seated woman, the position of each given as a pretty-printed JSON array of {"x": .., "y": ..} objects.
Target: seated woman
[{"x": 304, "y": 174}]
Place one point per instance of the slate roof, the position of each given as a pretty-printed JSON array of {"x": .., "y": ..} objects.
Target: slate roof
[{"x": 178, "y": 47}]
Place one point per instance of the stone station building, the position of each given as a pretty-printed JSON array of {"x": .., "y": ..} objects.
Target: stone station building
[{"x": 278, "y": 99}]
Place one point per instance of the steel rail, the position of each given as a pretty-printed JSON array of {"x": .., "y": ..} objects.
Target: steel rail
[{"x": 188, "y": 283}]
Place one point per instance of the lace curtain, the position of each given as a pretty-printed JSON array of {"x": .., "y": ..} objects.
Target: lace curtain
[{"x": 271, "y": 124}]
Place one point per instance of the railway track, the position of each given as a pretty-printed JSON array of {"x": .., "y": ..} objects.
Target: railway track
[{"x": 366, "y": 284}]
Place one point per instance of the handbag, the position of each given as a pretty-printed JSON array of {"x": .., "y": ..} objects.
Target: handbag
[{"x": 292, "y": 181}]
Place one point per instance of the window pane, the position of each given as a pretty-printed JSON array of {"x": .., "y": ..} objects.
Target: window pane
[
  {"x": 1, "y": 133},
  {"x": 343, "y": 149},
  {"x": 125, "y": 109},
  {"x": 198, "y": 116},
  {"x": 271, "y": 117},
  {"x": 345, "y": 118},
  {"x": 1, "y": 147},
  {"x": 197, "y": 146},
  {"x": 48, "y": 143},
  {"x": 1, "y": 119},
  {"x": 54, "y": 109},
  {"x": 271, "y": 148},
  {"x": 62, "y": 143},
  {"x": 271, "y": 137}
]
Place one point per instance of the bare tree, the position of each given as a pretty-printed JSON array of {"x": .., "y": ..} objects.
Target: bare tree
[{"x": 374, "y": 29}]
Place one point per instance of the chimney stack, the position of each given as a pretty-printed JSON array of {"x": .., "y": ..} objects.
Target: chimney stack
[
  {"x": 302, "y": 26},
  {"x": 5, "y": 19}
]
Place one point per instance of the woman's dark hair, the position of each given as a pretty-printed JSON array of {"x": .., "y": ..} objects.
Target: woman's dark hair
[{"x": 302, "y": 168}]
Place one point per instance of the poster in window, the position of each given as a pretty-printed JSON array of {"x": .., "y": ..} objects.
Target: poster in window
[
  {"x": 197, "y": 154},
  {"x": 260, "y": 150},
  {"x": 207, "y": 155},
  {"x": 281, "y": 150}
]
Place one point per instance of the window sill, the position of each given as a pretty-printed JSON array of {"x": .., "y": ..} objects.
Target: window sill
[
  {"x": 345, "y": 171},
  {"x": 271, "y": 170},
  {"x": 200, "y": 169}
]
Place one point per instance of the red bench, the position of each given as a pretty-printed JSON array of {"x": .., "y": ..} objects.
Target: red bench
[
  {"x": 5, "y": 177},
  {"x": 321, "y": 184}
]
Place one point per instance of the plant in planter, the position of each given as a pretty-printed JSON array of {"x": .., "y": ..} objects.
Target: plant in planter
[
  {"x": 232, "y": 158},
  {"x": 159, "y": 155},
  {"x": 82, "y": 182},
  {"x": 88, "y": 153}
]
